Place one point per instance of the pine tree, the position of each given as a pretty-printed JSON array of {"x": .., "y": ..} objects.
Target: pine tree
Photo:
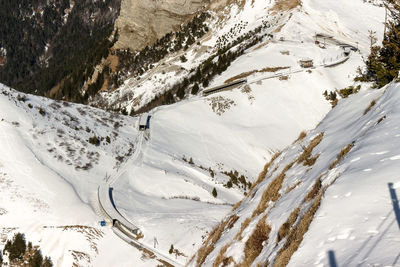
[
  {"x": 383, "y": 63},
  {"x": 214, "y": 192},
  {"x": 171, "y": 249},
  {"x": 17, "y": 248},
  {"x": 195, "y": 89},
  {"x": 47, "y": 262},
  {"x": 36, "y": 260}
]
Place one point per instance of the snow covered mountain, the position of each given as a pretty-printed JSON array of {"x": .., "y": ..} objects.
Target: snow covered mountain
[
  {"x": 180, "y": 178},
  {"x": 330, "y": 199}
]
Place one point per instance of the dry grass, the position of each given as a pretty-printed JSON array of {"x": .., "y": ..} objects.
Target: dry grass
[
  {"x": 283, "y": 5},
  {"x": 306, "y": 157},
  {"x": 241, "y": 76},
  {"x": 214, "y": 236},
  {"x": 301, "y": 136},
  {"x": 246, "y": 74},
  {"x": 284, "y": 78},
  {"x": 237, "y": 205},
  {"x": 243, "y": 226},
  {"x": 221, "y": 256},
  {"x": 289, "y": 189},
  {"x": 295, "y": 235},
  {"x": 314, "y": 191},
  {"x": 373, "y": 102},
  {"x": 341, "y": 155},
  {"x": 272, "y": 191},
  {"x": 254, "y": 244},
  {"x": 285, "y": 228},
  {"x": 264, "y": 172},
  {"x": 231, "y": 221}
]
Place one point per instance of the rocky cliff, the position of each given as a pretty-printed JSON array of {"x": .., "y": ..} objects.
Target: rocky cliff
[{"x": 142, "y": 22}]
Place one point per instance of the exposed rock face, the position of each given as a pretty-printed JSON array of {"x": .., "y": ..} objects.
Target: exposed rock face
[{"x": 141, "y": 22}]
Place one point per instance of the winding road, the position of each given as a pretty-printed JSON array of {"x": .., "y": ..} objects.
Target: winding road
[{"x": 121, "y": 226}]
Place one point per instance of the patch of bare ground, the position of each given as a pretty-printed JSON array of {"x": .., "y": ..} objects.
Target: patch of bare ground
[
  {"x": 248, "y": 73},
  {"x": 306, "y": 157},
  {"x": 254, "y": 244},
  {"x": 220, "y": 104},
  {"x": 212, "y": 239},
  {"x": 284, "y": 5},
  {"x": 341, "y": 155}
]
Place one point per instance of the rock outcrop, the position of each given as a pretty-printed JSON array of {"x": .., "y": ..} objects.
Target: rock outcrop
[{"x": 142, "y": 22}]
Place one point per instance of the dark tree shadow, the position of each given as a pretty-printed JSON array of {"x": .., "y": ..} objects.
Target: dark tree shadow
[
  {"x": 395, "y": 202},
  {"x": 332, "y": 259}
]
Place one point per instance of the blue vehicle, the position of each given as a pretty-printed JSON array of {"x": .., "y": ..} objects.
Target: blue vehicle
[{"x": 102, "y": 223}]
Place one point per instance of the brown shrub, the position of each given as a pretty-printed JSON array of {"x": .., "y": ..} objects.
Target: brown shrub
[
  {"x": 373, "y": 102},
  {"x": 306, "y": 157},
  {"x": 254, "y": 244},
  {"x": 341, "y": 155}
]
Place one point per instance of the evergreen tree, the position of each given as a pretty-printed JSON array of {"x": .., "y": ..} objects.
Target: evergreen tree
[
  {"x": 181, "y": 92},
  {"x": 47, "y": 262},
  {"x": 171, "y": 249},
  {"x": 36, "y": 260},
  {"x": 17, "y": 248},
  {"x": 214, "y": 192},
  {"x": 195, "y": 89},
  {"x": 383, "y": 63}
]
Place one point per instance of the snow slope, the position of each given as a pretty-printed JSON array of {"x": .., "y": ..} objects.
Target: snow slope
[
  {"x": 357, "y": 220},
  {"x": 163, "y": 192},
  {"x": 45, "y": 193}
]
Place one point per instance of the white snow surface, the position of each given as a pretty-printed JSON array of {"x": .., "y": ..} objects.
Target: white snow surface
[{"x": 50, "y": 173}]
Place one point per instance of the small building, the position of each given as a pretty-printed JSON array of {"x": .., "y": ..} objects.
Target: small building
[
  {"x": 144, "y": 122},
  {"x": 306, "y": 63}
]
